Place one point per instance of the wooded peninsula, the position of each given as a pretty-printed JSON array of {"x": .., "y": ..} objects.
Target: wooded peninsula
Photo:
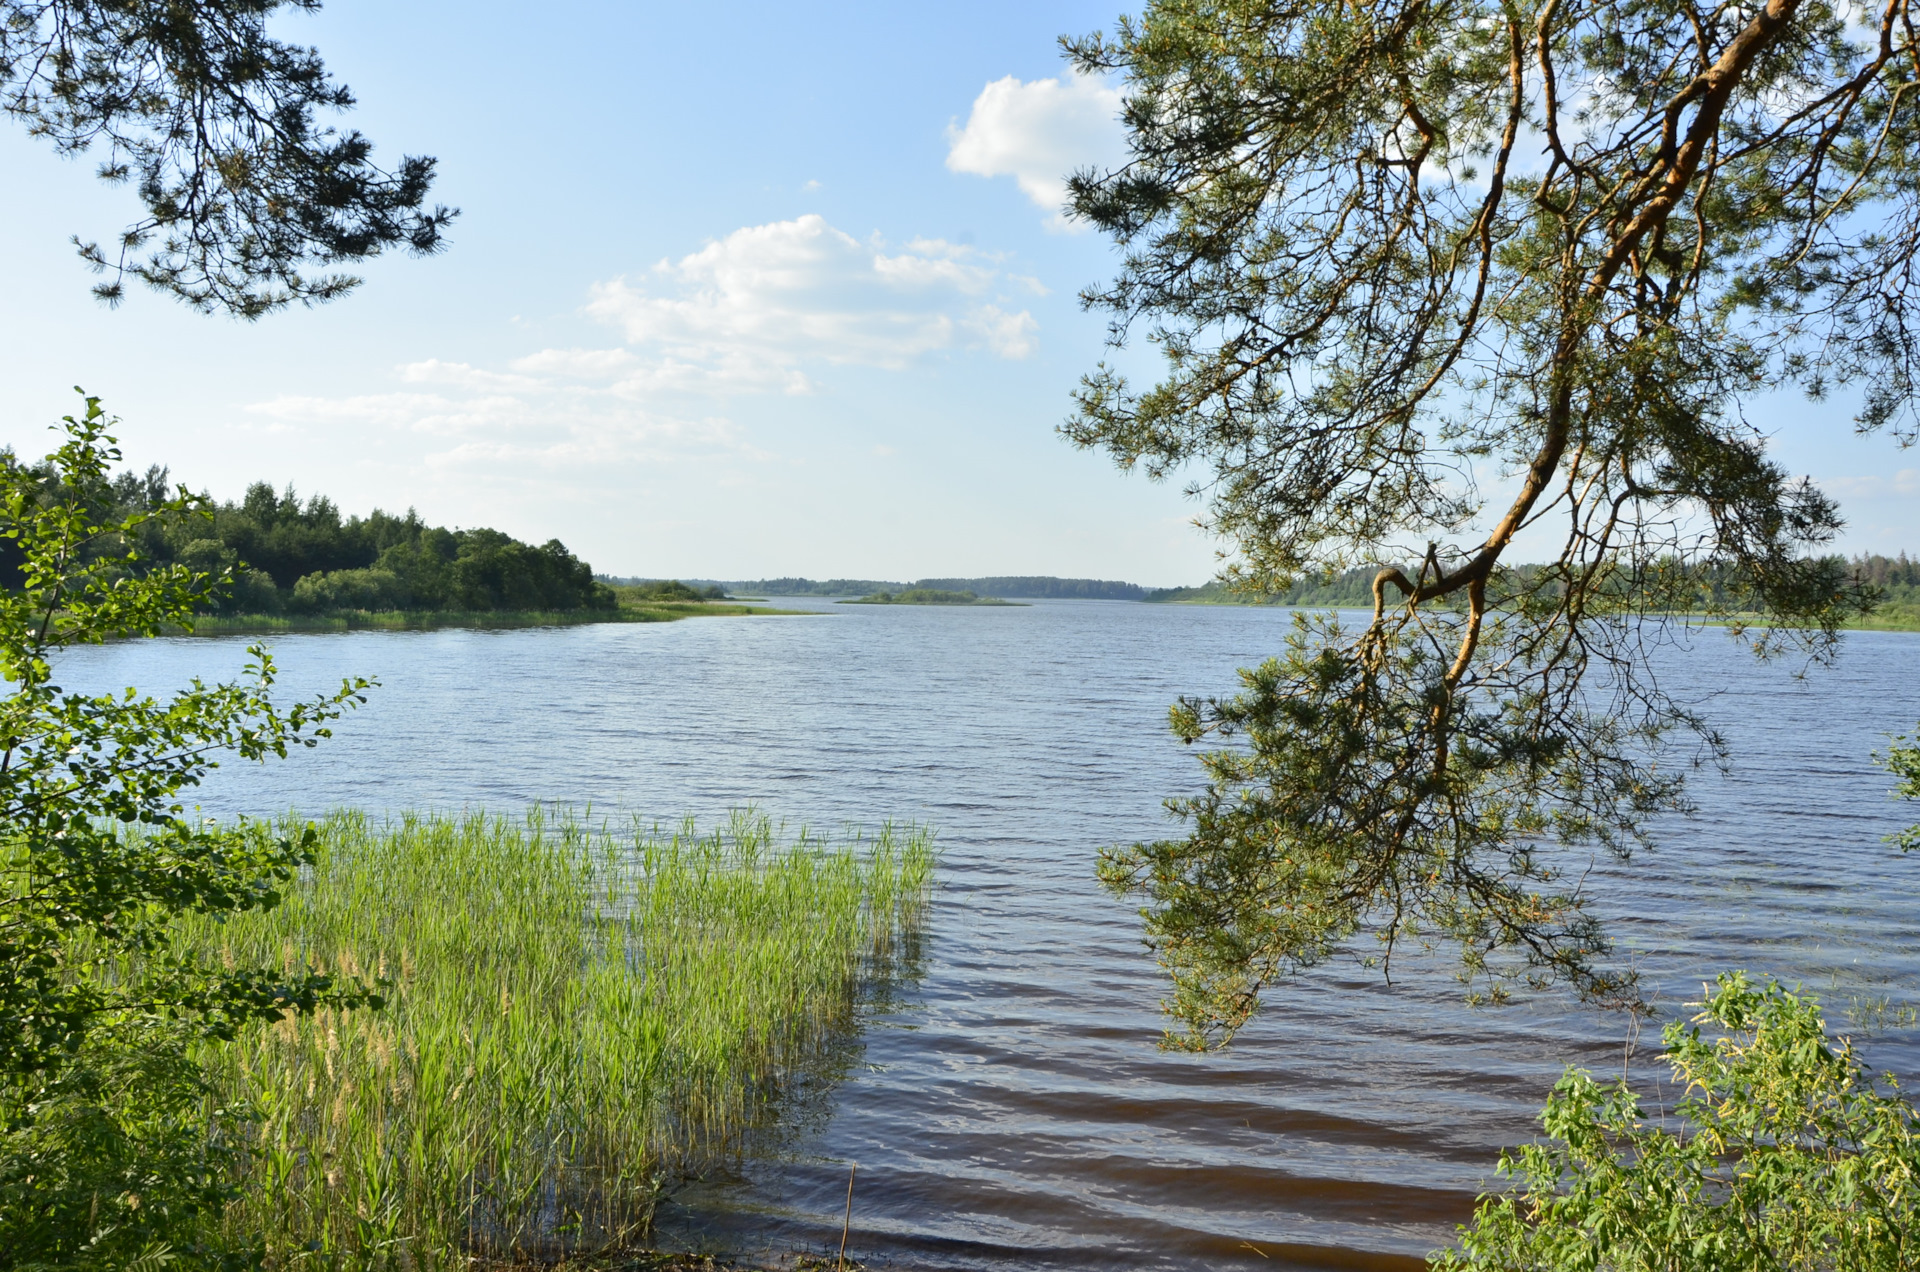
[{"x": 297, "y": 564}]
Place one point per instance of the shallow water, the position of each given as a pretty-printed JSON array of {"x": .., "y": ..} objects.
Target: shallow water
[{"x": 1015, "y": 1111}]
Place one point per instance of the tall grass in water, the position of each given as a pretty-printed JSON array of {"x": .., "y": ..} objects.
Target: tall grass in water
[{"x": 573, "y": 1011}]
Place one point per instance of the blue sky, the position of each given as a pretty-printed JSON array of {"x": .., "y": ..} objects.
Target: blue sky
[{"x": 779, "y": 292}]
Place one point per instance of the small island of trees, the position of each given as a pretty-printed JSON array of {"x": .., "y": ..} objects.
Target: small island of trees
[{"x": 926, "y": 596}]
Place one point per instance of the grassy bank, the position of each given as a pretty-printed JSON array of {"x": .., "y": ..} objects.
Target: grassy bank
[
  {"x": 1891, "y": 618},
  {"x": 574, "y": 1014},
  {"x": 428, "y": 620}
]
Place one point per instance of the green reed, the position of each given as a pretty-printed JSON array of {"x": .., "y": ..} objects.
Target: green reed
[{"x": 573, "y": 1011}]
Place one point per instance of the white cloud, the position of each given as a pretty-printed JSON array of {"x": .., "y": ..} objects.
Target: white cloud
[
  {"x": 432, "y": 413},
  {"x": 748, "y": 309},
  {"x": 460, "y": 375},
  {"x": 582, "y": 363},
  {"x": 551, "y": 425},
  {"x": 1905, "y": 481},
  {"x": 753, "y": 312},
  {"x": 1038, "y": 132},
  {"x": 1009, "y": 335}
]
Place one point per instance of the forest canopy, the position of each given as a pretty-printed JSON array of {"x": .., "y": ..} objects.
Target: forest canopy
[{"x": 294, "y": 555}]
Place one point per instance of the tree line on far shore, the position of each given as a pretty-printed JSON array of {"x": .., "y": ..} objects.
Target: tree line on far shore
[
  {"x": 1896, "y": 577},
  {"x": 1024, "y": 586}
]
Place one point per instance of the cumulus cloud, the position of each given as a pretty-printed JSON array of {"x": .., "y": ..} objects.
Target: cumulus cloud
[
  {"x": 1038, "y": 132},
  {"x": 461, "y": 375},
  {"x": 754, "y": 312},
  {"x": 584, "y": 363},
  {"x": 547, "y": 425},
  {"x": 1009, "y": 335},
  {"x": 750, "y": 308}
]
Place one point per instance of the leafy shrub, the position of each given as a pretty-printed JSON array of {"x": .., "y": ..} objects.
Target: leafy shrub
[
  {"x": 124, "y": 1157},
  {"x": 206, "y": 556},
  {"x": 1782, "y": 1155},
  {"x": 934, "y": 596},
  {"x": 671, "y": 590},
  {"x": 108, "y": 1149},
  {"x": 374, "y": 589},
  {"x": 1903, "y": 761},
  {"x": 252, "y": 592}
]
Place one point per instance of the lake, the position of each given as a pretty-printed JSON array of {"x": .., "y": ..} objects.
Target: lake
[{"x": 1013, "y": 1110}]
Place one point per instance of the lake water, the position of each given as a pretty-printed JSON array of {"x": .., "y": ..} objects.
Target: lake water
[{"x": 1014, "y": 1111}]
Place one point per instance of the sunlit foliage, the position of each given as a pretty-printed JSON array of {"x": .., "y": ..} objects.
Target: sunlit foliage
[
  {"x": 108, "y": 1145},
  {"x": 1433, "y": 279},
  {"x": 1781, "y": 1155},
  {"x": 216, "y": 126}
]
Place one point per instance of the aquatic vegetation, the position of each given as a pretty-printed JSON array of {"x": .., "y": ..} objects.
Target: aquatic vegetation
[
  {"x": 1872, "y": 1014},
  {"x": 573, "y": 1013}
]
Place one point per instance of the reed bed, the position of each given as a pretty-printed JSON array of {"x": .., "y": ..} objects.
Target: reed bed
[{"x": 574, "y": 1013}]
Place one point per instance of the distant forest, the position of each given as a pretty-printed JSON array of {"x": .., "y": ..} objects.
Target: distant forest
[
  {"x": 1898, "y": 577},
  {"x": 1351, "y": 590},
  {"x": 300, "y": 556},
  {"x": 1024, "y": 587},
  {"x": 769, "y": 587},
  {"x": 1041, "y": 587}
]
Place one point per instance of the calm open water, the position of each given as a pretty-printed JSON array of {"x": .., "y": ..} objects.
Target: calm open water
[{"x": 1014, "y": 1110}]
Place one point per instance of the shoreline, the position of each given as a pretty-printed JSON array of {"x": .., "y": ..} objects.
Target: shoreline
[
  {"x": 438, "y": 620},
  {"x": 1900, "y": 619},
  {"x": 652, "y": 1260}
]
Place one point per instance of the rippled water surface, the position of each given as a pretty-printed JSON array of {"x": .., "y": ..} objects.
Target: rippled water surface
[{"x": 1015, "y": 1111}]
